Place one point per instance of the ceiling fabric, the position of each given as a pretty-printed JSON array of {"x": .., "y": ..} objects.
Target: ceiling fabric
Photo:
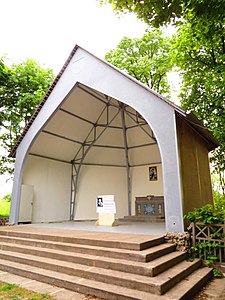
[{"x": 94, "y": 129}]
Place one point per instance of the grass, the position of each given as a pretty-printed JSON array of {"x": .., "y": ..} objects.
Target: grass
[
  {"x": 4, "y": 207},
  {"x": 10, "y": 291}
]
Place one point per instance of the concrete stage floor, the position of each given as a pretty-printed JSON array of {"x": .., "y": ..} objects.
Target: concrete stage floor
[{"x": 146, "y": 228}]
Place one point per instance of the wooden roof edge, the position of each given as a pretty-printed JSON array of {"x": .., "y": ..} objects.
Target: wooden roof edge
[{"x": 199, "y": 127}]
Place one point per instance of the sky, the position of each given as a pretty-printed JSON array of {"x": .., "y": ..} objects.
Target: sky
[{"x": 47, "y": 31}]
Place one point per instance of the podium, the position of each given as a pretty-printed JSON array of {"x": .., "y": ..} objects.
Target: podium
[{"x": 106, "y": 209}]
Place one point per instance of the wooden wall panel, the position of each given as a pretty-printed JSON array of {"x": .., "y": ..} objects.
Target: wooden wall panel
[{"x": 194, "y": 167}]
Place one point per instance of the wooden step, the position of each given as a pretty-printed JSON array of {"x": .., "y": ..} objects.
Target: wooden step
[
  {"x": 103, "y": 239},
  {"x": 134, "y": 255},
  {"x": 151, "y": 268},
  {"x": 157, "y": 285}
]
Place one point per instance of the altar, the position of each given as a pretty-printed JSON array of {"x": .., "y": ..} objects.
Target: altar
[{"x": 151, "y": 206}]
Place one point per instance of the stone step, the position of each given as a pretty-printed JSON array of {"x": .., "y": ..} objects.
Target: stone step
[
  {"x": 103, "y": 239},
  {"x": 134, "y": 255},
  {"x": 109, "y": 265},
  {"x": 152, "y": 268},
  {"x": 156, "y": 285},
  {"x": 143, "y": 219},
  {"x": 84, "y": 286},
  {"x": 186, "y": 289}
]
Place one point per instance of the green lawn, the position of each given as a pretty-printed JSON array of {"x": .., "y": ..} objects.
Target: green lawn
[
  {"x": 4, "y": 207},
  {"x": 10, "y": 291}
]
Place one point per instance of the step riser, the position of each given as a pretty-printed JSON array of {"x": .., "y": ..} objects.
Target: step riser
[
  {"x": 76, "y": 287},
  {"x": 170, "y": 263},
  {"x": 86, "y": 241},
  {"x": 145, "y": 220},
  {"x": 160, "y": 253},
  {"x": 97, "y": 252}
]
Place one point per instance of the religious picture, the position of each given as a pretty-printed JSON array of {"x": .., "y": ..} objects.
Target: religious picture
[
  {"x": 99, "y": 202},
  {"x": 153, "y": 173}
]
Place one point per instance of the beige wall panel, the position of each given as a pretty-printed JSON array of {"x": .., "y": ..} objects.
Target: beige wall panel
[
  {"x": 96, "y": 181},
  {"x": 84, "y": 105},
  {"x": 194, "y": 166},
  {"x": 48, "y": 145},
  {"x": 99, "y": 155},
  {"x": 51, "y": 181},
  {"x": 137, "y": 136},
  {"x": 68, "y": 126},
  {"x": 142, "y": 186},
  {"x": 144, "y": 155},
  {"x": 111, "y": 136}
]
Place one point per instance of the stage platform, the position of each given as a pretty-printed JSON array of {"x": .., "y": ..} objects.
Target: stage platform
[{"x": 123, "y": 227}]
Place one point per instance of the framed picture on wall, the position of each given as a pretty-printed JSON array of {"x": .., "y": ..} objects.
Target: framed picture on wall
[{"x": 153, "y": 176}]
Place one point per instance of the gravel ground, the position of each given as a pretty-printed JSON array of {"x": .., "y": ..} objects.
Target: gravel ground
[{"x": 214, "y": 290}]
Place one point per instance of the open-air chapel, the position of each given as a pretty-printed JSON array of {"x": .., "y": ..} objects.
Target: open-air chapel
[{"x": 98, "y": 131}]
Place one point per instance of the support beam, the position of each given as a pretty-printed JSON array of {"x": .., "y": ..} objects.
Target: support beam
[
  {"x": 79, "y": 157},
  {"x": 122, "y": 109}
]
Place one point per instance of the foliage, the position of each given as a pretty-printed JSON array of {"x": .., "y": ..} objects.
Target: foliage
[
  {"x": 163, "y": 12},
  {"x": 217, "y": 273},
  {"x": 4, "y": 208},
  {"x": 148, "y": 59},
  {"x": 219, "y": 202},
  {"x": 208, "y": 250},
  {"x": 22, "y": 86},
  {"x": 200, "y": 56},
  {"x": 206, "y": 215},
  {"x": 7, "y": 197},
  {"x": 199, "y": 52}
]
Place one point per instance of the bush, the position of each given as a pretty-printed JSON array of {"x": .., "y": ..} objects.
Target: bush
[
  {"x": 219, "y": 201},
  {"x": 5, "y": 205},
  {"x": 206, "y": 215},
  {"x": 208, "y": 250}
]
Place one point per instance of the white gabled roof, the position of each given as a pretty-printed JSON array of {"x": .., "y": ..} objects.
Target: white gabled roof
[{"x": 189, "y": 118}]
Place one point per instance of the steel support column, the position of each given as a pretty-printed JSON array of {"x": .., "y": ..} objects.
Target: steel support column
[
  {"x": 89, "y": 141},
  {"x": 122, "y": 109}
]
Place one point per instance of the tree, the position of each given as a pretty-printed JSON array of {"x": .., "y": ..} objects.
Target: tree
[
  {"x": 199, "y": 51},
  {"x": 22, "y": 86},
  {"x": 200, "y": 57},
  {"x": 163, "y": 12},
  {"x": 148, "y": 59}
]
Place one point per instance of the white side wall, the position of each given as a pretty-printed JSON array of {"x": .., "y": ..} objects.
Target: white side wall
[
  {"x": 142, "y": 186},
  {"x": 51, "y": 181},
  {"x": 94, "y": 181}
]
